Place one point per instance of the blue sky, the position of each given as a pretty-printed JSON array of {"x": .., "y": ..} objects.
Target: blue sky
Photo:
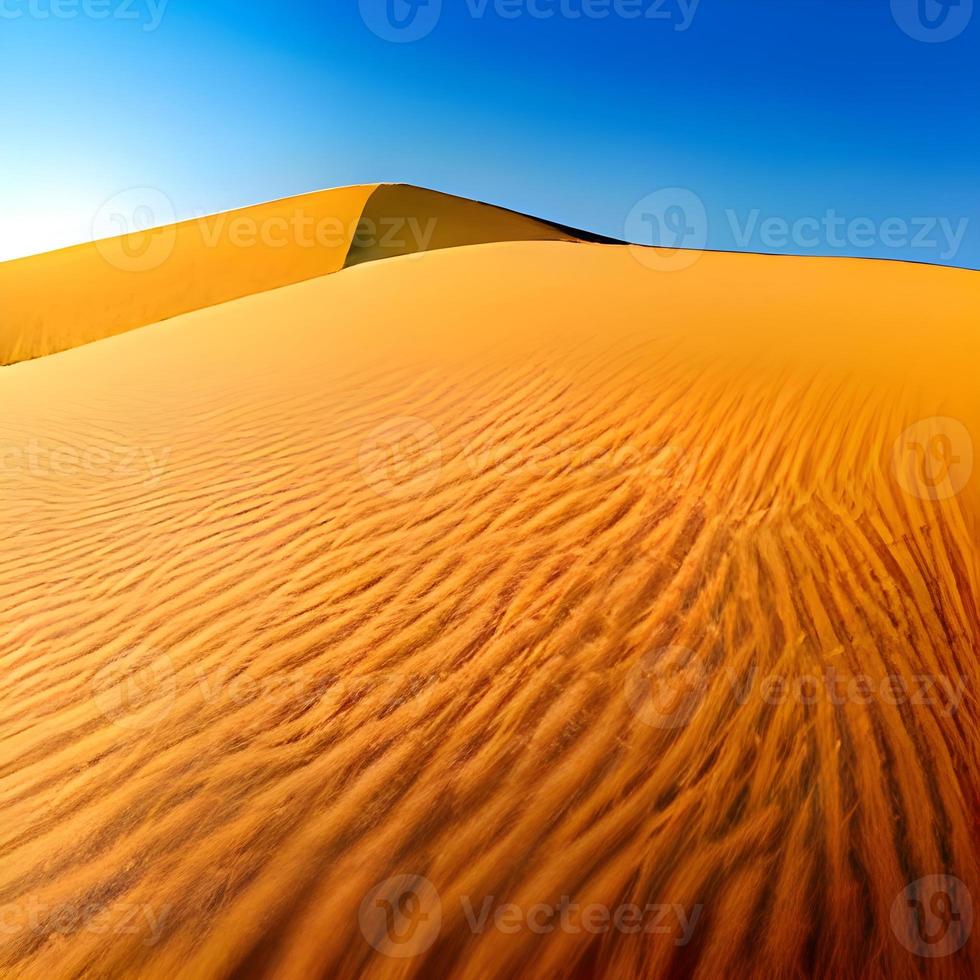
[{"x": 812, "y": 126}]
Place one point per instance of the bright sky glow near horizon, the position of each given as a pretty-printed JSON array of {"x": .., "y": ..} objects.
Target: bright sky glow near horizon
[{"x": 811, "y": 127}]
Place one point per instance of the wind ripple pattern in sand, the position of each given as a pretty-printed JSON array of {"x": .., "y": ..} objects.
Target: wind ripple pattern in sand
[{"x": 340, "y": 609}]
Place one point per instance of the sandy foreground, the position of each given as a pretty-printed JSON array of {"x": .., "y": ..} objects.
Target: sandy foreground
[{"x": 519, "y": 609}]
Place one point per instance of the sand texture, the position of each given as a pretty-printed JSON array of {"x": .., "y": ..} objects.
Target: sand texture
[{"x": 473, "y": 565}]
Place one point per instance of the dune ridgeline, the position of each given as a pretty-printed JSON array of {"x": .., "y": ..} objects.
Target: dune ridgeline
[
  {"x": 62, "y": 299},
  {"x": 519, "y": 605}
]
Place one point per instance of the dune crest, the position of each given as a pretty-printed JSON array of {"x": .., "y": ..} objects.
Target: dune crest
[
  {"x": 400, "y": 219},
  {"x": 73, "y": 296}
]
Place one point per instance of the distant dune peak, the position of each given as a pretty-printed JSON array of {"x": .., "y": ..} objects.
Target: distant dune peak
[{"x": 73, "y": 296}]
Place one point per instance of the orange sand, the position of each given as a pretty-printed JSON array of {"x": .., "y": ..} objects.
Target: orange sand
[
  {"x": 56, "y": 301},
  {"x": 388, "y": 559}
]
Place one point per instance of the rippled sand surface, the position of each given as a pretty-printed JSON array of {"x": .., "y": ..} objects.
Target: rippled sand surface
[{"x": 529, "y": 577}]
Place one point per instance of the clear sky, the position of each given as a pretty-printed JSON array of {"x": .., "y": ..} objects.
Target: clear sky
[{"x": 807, "y": 126}]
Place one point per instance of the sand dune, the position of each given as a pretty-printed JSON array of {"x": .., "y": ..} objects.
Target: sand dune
[
  {"x": 60, "y": 300},
  {"x": 473, "y": 566}
]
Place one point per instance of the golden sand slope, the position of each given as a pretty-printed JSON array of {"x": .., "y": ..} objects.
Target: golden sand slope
[
  {"x": 59, "y": 300},
  {"x": 401, "y": 559}
]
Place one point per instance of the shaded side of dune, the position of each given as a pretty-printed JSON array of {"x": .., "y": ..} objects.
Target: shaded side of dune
[
  {"x": 400, "y": 219},
  {"x": 63, "y": 299}
]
